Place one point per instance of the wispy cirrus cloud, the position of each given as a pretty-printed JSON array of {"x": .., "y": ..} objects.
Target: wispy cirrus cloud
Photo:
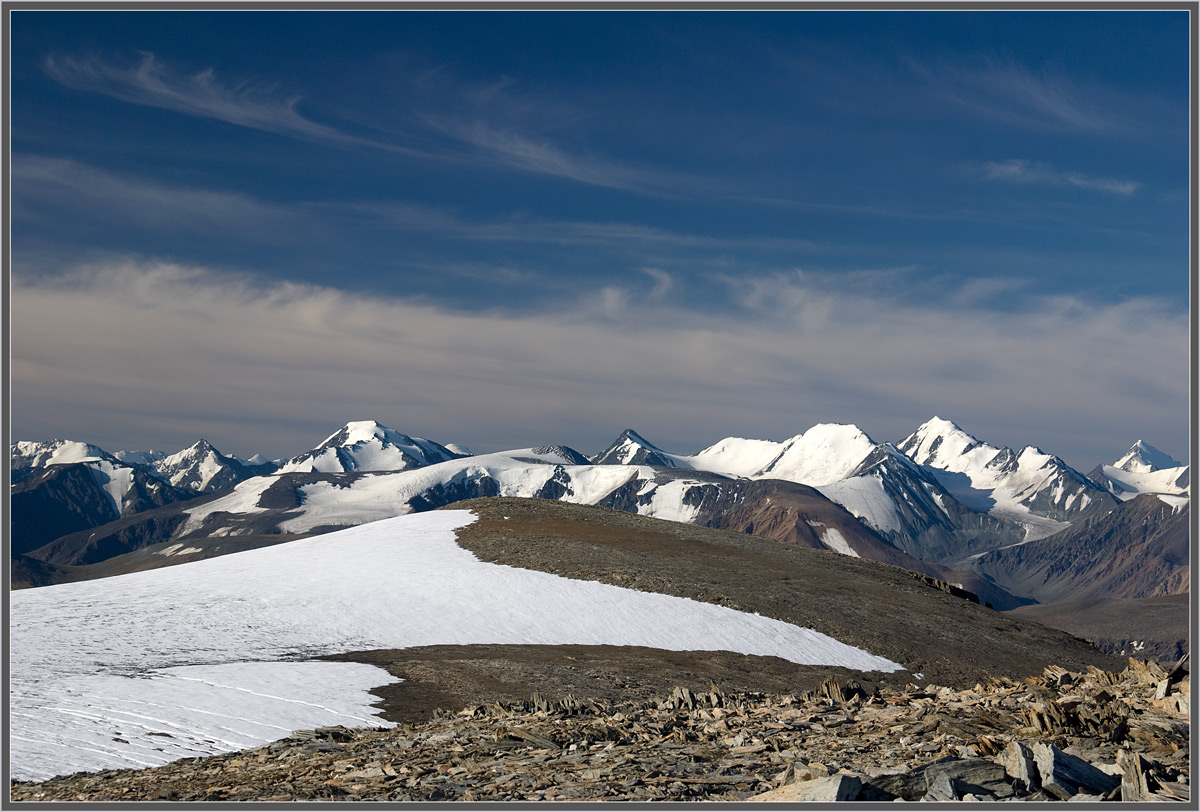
[
  {"x": 263, "y": 106},
  {"x": 1016, "y": 170},
  {"x": 152, "y": 83},
  {"x": 49, "y": 189},
  {"x": 517, "y": 150},
  {"x": 1010, "y": 93}
]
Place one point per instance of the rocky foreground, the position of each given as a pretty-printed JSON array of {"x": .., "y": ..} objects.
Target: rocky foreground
[{"x": 1091, "y": 735}]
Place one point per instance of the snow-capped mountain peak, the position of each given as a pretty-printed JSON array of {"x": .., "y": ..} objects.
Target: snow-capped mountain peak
[
  {"x": 1029, "y": 486},
  {"x": 1143, "y": 458},
  {"x": 201, "y": 467},
  {"x": 359, "y": 431},
  {"x": 632, "y": 448},
  {"x": 1143, "y": 469},
  {"x": 826, "y": 453},
  {"x": 366, "y": 445},
  {"x": 25, "y": 454},
  {"x": 938, "y": 440}
]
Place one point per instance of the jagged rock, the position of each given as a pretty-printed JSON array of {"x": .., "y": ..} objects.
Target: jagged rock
[
  {"x": 977, "y": 776},
  {"x": 1135, "y": 785},
  {"x": 840, "y": 787},
  {"x": 1018, "y": 763},
  {"x": 1064, "y": 775}
]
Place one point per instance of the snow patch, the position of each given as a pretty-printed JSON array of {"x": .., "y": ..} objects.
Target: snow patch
[
  {"x": 866, "y": 498},
  {"x": 80, "y": 653},
  {"x": 835, "y": 541}
]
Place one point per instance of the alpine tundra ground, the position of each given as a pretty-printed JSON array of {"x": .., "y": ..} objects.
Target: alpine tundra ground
[{"x": 941, "y": 636}]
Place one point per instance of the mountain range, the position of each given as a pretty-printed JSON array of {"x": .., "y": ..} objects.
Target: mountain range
[
  {"x": 880, "y": 558},
  {"x": 940, "y": 501}
]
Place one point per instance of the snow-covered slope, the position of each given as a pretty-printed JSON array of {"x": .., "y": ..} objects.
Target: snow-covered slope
[
  {"x": 206, "y": 652},
  {"x": 550, "y": 472},
  {"x": 826, "y": 453},
  {"x": 909, "y": 507},
  {"x": 734, "y": 456},
  {"x": 26, "y": 456},
  {"x": 1143, "y": 469},
  {"x": 1028, "y": 486},
  {"x": 368, "y": 446},
  {"x": 143, "y": 459}
]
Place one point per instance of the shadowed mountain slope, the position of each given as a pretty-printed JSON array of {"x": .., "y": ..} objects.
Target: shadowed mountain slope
[{"x": 1138, "y": 550}]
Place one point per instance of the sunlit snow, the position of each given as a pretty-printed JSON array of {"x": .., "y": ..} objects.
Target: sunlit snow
[
  {"x": 832, "y": 538},
  {"x": 826, "y": 453},
  {"x": 1171, "y": 481},
  {"x": 100, "y": 668}
]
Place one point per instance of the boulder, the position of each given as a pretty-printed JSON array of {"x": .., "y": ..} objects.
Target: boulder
[
  {"x": 839, "y": 787},
  {"x": 1064, "y": 775}
]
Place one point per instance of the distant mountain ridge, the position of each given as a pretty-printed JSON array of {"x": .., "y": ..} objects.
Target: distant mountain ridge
[
  {"x": 939, "y": 499},
  {"x": 368, "y": 446},
  {"x": 1143, "y": 469}
]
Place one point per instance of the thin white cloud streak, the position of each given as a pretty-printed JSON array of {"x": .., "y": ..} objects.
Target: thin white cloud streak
[
  {"x": 50, "y": 188},
  {"x": 154, "y": 84},
  {"x": 514, "y": 150},
  {"x": 130, "y": 344},
  {"x": 1011, "y": 94},
  {"x": 261, "y": 107},
  {"x": 1016, "y": 170},
  {"x": 525, "y": 229}
]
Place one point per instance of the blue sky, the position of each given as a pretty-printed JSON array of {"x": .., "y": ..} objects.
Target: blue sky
[{"x": 517, "y": 228}]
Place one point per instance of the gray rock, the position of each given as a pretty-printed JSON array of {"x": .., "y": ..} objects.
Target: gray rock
[
  {"x": 1018, "y": 763},
  {"x": 840, "y": 787},
  {"x": 942, "y": 788},
  {"x": 971, "y": 776},
  {"x": 1064, "y": 775}
]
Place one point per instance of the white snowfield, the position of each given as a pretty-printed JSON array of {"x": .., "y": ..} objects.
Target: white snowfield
[
  {"x": 204, "y": 657},
  {"x": 1163, "y": 482},
  {"x": 735, "y": 456}
]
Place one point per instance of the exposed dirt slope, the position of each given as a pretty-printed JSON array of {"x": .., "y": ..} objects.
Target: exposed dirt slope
[
  {"x": 1153, "y": 628},
  {"x": 885, "y": 610}
]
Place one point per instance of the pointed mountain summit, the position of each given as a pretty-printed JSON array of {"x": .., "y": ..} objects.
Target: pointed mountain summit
[
  {"x": 940, "y": 443},
  {"x": 201, "y": 467},
  {"x": 1029, "y": 486},
  {"x": 1143, "y": 458},
  {"x": 632, "y": 448},
  {"x": 1143, "y": 469},
  {"x": 367, "y": 445}
]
